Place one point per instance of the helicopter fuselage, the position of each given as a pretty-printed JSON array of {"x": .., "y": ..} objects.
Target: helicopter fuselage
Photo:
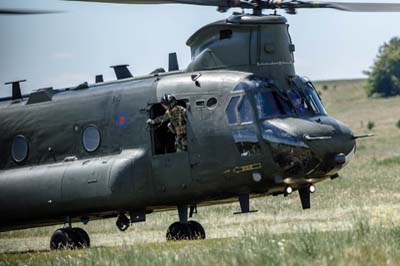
[
  {"x": 254, "y": 128},
  {"x": 231, "y": 149}
]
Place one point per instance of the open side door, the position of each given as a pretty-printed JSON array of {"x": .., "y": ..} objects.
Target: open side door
[{"x": 170, "y": 169}]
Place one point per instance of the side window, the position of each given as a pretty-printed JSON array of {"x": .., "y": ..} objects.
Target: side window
[
  {"x": 245, "y": 111},
  {"x": 231, "y": 110},
  {"x": 19, "y": 149},
  {"x": 246, "y": 141},
  {"x": 212, "y": 103},
  {"x": 91, "y": 139},
  {"x": 239, "y": 110}
]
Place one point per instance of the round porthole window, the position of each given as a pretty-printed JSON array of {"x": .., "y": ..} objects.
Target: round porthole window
[
  {"x": 212, "y": 103},
  {"x": 19, "y": 149},
  {"x": 91, "y": 139}
]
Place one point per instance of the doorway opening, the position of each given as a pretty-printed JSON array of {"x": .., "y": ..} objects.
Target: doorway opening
[{"x": 162, "y": 139}]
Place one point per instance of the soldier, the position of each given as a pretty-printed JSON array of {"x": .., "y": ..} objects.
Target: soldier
[{"x": 176, "y": 115}]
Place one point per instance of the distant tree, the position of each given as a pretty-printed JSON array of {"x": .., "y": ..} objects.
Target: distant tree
[
  {"x": 370, "y": 125},
  {"x": 384, "y": 76}
]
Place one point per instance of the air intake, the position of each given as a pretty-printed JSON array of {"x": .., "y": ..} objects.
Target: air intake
[{"x": 99, "y": 79}]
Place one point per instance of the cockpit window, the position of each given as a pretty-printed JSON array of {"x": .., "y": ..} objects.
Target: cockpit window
[
  {"x": 314, "y": 99},
  {"x": 271, "y": 103},
  {"x": 299, "y": 103},
  {"x": 306, "y": 101},
  {"x": 245, "y": 111},
  {"x": 266, "y": 105},
  {"x": 231, "y": 110}
]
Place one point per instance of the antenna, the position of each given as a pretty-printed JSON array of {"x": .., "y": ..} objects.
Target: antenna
[
  {"x": 16, "y": 89},
  {"x": 173, "y": 62},
  {"x": 122, "y": 71}
]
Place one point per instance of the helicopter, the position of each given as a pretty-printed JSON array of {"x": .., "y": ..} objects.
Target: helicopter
[{"x": 254, "y": 128}]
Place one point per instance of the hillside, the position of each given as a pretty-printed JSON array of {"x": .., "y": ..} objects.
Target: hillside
[{"x": 354, "y": 220}]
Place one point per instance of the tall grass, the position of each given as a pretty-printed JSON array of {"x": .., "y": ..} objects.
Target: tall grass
[{"x": 364, "y": 244}]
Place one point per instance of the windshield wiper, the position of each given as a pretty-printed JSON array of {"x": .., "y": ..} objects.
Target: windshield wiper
[
  {"x": 283, "y": 95},
  {"x": 299, "y": 87}
]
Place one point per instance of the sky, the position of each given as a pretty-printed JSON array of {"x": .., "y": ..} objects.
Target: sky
[{"x": 64, "y": 50}]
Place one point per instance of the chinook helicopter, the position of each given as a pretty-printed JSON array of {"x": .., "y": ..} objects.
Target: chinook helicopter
[{"x": 255, "y": 128}]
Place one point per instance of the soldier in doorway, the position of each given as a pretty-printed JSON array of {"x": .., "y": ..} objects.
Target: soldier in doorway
[{"x": 176, "y": 116}]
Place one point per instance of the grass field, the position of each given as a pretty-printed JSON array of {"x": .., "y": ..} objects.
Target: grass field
[{"x": 354, "y": 220}]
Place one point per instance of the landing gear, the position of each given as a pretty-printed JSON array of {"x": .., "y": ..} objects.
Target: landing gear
[
  {"x": 191, "y": 230},
  {"x": 184, "y": 229},
  {"x": 82, "y": 237},
  {"x": 179, "y": 231},
  {"x": 69, "y": 238},
  {"x": 197, "y": 230},
  {"x": 304, "y": 194}
]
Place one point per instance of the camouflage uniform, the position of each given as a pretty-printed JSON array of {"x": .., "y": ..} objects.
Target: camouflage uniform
[{"x": 177, "y": 125}]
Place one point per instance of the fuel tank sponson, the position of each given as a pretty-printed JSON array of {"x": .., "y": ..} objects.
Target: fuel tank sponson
[{"x": 74, "y": 186}]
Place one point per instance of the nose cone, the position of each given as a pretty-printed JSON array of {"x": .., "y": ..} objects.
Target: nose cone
[
  {"x": 324, "y": 135},
  {"x": 336, "y": 150},
  {"x": 340, "y": 140},
  {"x": 289, "y": 152},
  {"x": 321, "y": 145}
]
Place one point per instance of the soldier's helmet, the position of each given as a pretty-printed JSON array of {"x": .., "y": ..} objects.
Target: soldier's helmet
[{"x": 168, "y": 100}]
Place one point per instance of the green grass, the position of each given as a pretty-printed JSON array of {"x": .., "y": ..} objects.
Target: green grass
[
  {"x": 362, "y": 245},
  {"x": 354, "y": 220},
  {"x": 392, "y": 161}
]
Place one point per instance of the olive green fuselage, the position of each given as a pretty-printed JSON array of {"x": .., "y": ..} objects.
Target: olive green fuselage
[
  {"x": 60, "y": 177},
  {"x": 250, "y": 154}
]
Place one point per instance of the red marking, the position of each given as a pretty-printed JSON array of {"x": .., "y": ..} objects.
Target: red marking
[{"x": 122, "y": 120}]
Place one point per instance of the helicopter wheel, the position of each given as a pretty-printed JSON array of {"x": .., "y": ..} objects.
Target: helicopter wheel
[
  {"x": 179, "y": 231},
  {"x": 69, "y": 238},
  {"x": 197, "y": 230},
  {"x": 82, "y": 238},
  {"x": 63, "y": 238},
  {"x": 185, "y": 231}
]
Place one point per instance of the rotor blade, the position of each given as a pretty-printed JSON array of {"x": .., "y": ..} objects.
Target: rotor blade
[
  {"x": 350, "y": 6},
  {"x": 267, "y": 4},
  {"x": 367, "y": 7},
  {"x": 226, "y": 3},
  {"x": 26, "y": 12}
]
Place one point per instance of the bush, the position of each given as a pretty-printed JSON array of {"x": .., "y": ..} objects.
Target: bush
[
  {"x": 398, "y": 124},
  {"x": 370, "y": 125},
  {"x": 384, "y": 77},
  {"x": 325, "y": 87}
]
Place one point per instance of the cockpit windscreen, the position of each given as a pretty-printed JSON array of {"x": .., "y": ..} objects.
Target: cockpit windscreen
[{"x": 272, "y": 102}]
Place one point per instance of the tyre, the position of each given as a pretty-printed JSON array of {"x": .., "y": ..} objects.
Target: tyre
[
  {"x": 197, "y": 230},
  {"x": 82, "y": 238},
  {"x": 178, "y": 231},
  {"x": 62, "y": 239}
]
